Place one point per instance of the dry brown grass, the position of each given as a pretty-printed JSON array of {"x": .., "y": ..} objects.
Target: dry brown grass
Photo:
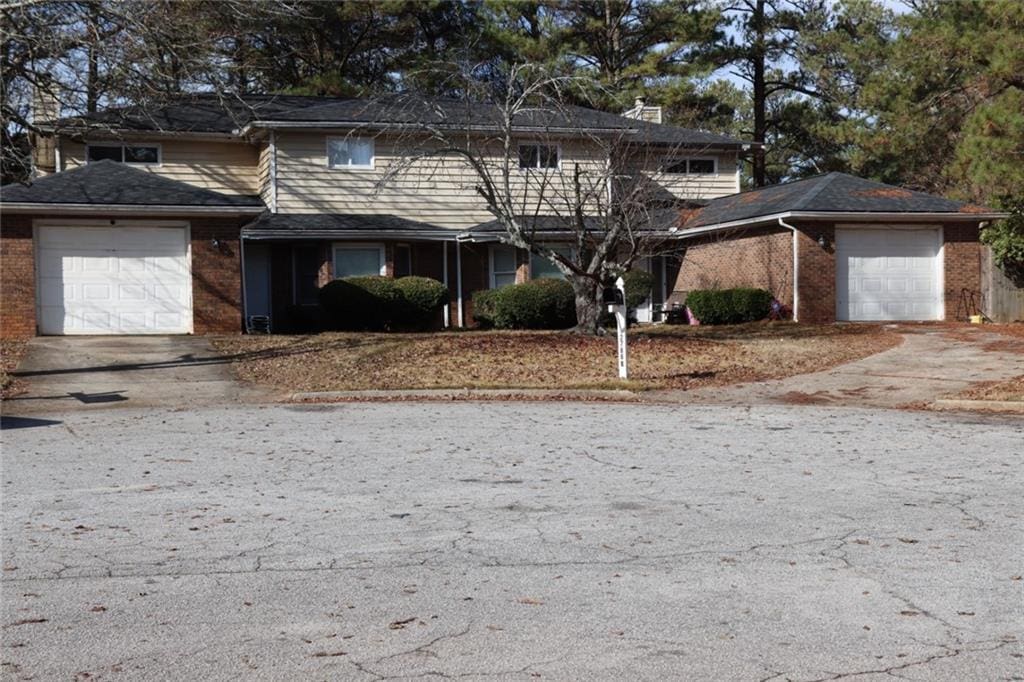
[
  {"x": 662, "y": 357},
  {"x": 1011, "y": 390},
  {"x": 10, "y": 356}
]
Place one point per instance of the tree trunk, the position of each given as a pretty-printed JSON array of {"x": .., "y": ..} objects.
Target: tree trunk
[
  {"x": 757, "y": 55},
  {"x": 588, "y": 306}
]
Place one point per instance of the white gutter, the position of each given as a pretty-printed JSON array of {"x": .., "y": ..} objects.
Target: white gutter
[
  {"x": 444, "y": 279},
  {"x": 843, "y": 217},
  {"x": 458, "y": 282},
  {"x": 342, "y": 234},
  {"x": 29, "y": 207},
  {"x": 796, "y": 269}
]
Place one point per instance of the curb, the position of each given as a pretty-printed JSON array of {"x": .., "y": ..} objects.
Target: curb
[
  {"x": 1009, "y": 406},
  {"x": 466, "y": 394}
]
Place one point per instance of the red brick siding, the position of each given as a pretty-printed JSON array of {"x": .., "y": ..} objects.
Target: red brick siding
[
  {"x": 962, "y": 266},
  {"x": 817, "y": 286},
  {"x": 755, "y": 258},
  {"x": 17, "y": 278},
  {"x": 216, "y": 274}
]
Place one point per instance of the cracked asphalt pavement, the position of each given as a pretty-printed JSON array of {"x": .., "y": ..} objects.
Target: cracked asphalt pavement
[{"x": 512, "y": 541}]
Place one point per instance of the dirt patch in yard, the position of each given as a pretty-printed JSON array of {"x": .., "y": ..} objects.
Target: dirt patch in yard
[
  {"x": 661, "y": 357},
  {"x": 11, "y": 353},
  {"x": 1011, "y": 390}
]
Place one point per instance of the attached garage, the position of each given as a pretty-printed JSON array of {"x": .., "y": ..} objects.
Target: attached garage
[
  {"x": 131, "y": 279},
  {"x": 110, "y": 249},
  {"x": 889, "y": 272}
]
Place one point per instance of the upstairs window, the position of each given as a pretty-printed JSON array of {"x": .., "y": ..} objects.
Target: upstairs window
[
  {"x": 350, "y": 152},
  {"x": 147, "y": 154},
  {"x": 538, "y": 156},
  {"x": 703, "y": 166}
]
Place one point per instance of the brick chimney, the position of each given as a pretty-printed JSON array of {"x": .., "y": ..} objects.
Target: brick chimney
[{"x": 45, "y": 109}]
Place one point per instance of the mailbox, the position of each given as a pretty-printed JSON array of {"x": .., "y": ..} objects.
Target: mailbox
[{"x": 613, "y": 296}]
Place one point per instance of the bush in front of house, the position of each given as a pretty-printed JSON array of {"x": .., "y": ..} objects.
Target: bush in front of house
[
  {"x": 421, "y": 299},
  {"x": 540, "y": 304},
  {"x": 729, "y": 306},
  {"x": 376, "y": 303}
]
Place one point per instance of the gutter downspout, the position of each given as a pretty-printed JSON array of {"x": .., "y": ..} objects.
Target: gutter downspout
[
  {"x": 796, "y": 268},
  {"x": 444, "y": 269},
  {"x": 245, "y": 298}
]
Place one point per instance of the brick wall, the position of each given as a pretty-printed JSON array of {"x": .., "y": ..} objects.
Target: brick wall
[
  {"x": 216, "y": 274},
  {"x": 962, "y": 266},
  {"x": 17, "y": 278},
  {"x": 817, "y": 286},
  {"x": 754, "y": 258}
]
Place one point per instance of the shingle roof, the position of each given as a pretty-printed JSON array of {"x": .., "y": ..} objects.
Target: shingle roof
[
  {"x": 829, "y": 193},
  {"x": 111, "y": 183},
  {"x": 272, "y": 225},
  {"x": 213, "y": 114}
]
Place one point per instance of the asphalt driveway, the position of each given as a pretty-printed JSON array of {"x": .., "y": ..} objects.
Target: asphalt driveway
[
  {"x": 516, "y": 541},
  {"x": 95, "y": 372}
]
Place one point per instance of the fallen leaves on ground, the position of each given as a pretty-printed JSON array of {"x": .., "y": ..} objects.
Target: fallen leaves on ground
[
  {"x": 1011, "y": 390},
  {"x": 660, "y": 357},
  {"x": 10, "y": 355}
]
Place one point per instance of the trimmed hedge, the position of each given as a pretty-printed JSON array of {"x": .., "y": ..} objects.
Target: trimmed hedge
[
  {"x": 376, "y": 303},
  {"x": 422, "y": 299},
  {"x": 540, "y": 304},
  {"x": 729, "y": 306}
]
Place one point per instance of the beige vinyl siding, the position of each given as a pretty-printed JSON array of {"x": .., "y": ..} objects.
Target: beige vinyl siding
[
  {"x": 436, "y": 190},
  {"x": 263, "y": 175},
  {"x": 723, "y": 182},
  {"x": 229, "y": 167}
]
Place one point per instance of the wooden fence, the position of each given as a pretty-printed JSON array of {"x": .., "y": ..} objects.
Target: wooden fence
[{"x": 1003, "y": 301}]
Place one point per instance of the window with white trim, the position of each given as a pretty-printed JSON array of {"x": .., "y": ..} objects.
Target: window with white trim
[
  {"x": 350, "y": 152},
  {"x": 143, "y": 154},
  {"x": 696, "y": 166},
  {"x": 541, "y": 267},
  {"x": 358, "y": 260},
  {"x": 539, "y": 156},
  {"x": 503, "y": 265}
]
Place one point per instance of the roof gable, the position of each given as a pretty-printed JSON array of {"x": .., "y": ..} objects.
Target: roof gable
[{"x": 116, "y": 184}]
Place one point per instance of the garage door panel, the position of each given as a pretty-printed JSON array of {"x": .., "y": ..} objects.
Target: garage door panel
[
  {"x": 117, "y": 280},
  {"x": 888, "y": 274}
]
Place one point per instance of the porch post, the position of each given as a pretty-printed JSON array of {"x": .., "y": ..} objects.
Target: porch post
[
  {"x": 444, "y": 276},
  {"x": 458, "y": 281}
]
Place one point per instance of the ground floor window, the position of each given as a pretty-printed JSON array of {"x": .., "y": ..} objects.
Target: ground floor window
[
  {"x": 403, "y": 260},
  {"x": 358, "y": 260},
  {"x": 541, "y": 267},
  {"x": 503, "y": 265}
]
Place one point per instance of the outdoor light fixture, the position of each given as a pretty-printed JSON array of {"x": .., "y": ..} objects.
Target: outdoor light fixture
[
  {"x": 216, "y": 242},
  {"x": 822, "y": 242}
]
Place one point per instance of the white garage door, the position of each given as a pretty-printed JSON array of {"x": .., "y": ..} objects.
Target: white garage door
[
  {"x": 113, "y": 280},
  {"x": 889, "y": 274}
]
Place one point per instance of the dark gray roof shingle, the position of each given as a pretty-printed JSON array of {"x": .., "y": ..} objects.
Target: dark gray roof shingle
[
  {"x": 829, "y": 193},
  {"x": 111, "y": 183},
  {"x": 214, "y": 114},
  {"x": 313, "y": 224}
]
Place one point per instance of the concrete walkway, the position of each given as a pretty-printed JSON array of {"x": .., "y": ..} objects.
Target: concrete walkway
[
  {"x": 65, "y": 373},
  {"x": 932, "y": 362}
]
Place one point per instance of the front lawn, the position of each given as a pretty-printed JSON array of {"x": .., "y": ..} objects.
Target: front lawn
[{"x": 660, "y": 357}]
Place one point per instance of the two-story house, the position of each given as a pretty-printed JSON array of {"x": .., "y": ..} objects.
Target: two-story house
[
  {"x": 210, "y": 212},
  {"x": 205, "y": 214}
]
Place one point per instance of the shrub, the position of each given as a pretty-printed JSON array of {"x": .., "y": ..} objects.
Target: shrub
[
  {"x": 729, "y": 306},
  {"x": 421, "y": 299},
  {"x": 540, "y": 304},
  {"x": 638, "y": 287},
  {"x": 360, "y": 303},
  {"x": 484, "y": 302}
]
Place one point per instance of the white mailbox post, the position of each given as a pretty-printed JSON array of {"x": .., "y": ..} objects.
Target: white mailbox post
[{"x": 618, "y": 306}]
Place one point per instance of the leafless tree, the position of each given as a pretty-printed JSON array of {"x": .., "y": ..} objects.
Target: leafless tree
[{"x": 608, "y": 192}]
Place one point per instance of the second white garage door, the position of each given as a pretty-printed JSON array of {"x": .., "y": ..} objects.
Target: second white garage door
[
  {"x": 113, "y": 280},
  {"x": 889, "y": 274}
]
